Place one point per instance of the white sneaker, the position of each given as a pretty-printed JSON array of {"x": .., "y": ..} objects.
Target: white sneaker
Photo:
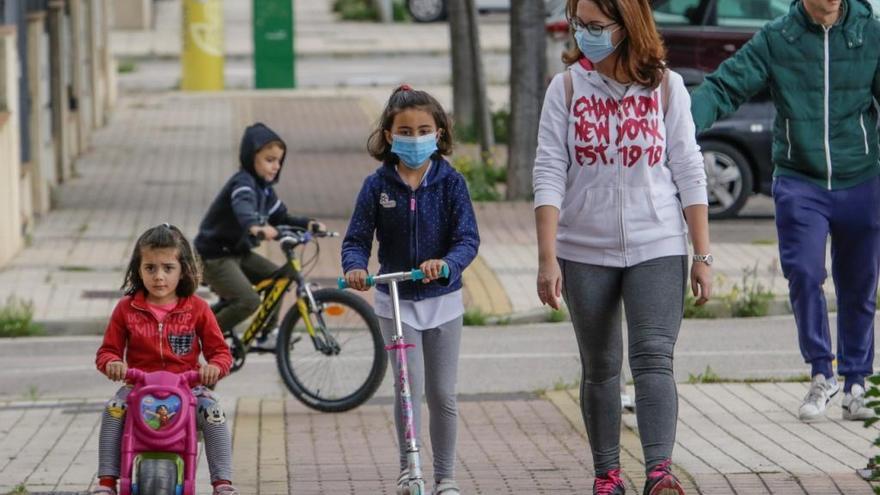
[
  {"x": 853, "y": 404},
  {"x": 267, "y": 343},
  {"x": 817, "y": 399}
]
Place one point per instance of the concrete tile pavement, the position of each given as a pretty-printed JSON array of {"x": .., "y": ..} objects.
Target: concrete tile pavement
[{"x": 732, "y": 439}]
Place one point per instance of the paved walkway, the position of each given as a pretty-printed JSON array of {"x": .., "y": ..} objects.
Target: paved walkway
[{"x": 732, "y": 439}]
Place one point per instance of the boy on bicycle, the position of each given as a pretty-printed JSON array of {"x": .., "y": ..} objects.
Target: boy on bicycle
[{"x": 245, "y": 211}]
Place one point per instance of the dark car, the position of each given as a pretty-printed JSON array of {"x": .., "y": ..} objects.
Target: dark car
[{"x": 699, "y": 36}]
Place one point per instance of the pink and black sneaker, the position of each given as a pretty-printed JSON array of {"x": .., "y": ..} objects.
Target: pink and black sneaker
[
  {"x": 609, "y": 484},
  {"x": 661, "y": 481}
]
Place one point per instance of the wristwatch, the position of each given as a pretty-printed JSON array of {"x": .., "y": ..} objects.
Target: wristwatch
[{"x": 708, "y": 259}]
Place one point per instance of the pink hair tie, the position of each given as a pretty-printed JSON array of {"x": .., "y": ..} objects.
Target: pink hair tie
[{"x": 405, "y": 87}]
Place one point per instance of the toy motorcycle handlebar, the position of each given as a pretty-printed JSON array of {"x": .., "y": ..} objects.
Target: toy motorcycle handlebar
[
  {"x": 414, "y": 275},
  {"x": 135, "y": 375}
]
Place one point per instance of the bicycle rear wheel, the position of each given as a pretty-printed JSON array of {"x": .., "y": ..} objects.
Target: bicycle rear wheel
[{"x": 339, "y": 379}]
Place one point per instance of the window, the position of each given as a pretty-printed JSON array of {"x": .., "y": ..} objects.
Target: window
[
  {"x": 750, "y": 13},
  {"x": 672, "y": 12}
]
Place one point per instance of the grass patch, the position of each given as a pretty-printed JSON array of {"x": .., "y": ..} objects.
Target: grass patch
[
  {"x": 364, "y": 10},
  {"x": 691, "y": 310},
  {"x": 556, "y": 316},
  {"x": 560, "y": 384},
  {"x": 32, "y": 394},
  {"x": 126, "y": 67},
  {"x": 764, "y": 242},
  {"x": 474, "y": 317},
  {"x": 749, "y": 298},
  {"x": 872, "y": 472},
  {"x": 708, "y": 376},
  {"x": 75, "y": 268},
  {"x": 17, "y": 319},
  {"x": 802, "y": 378},
  {"x": 482, "y": 177},
  {"x": 19, "y": 489},
  {"x": 500, "y": 128}
]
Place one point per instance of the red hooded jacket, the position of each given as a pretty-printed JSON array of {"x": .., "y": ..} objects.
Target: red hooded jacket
[{"x": 174, "y": 344}]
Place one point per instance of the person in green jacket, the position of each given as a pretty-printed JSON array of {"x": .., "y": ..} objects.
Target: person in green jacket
[{"x": 821, "y": 63}]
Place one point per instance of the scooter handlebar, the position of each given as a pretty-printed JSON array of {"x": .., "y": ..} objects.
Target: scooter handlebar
[
  {"x": 135, "y": 375},
  {"x": 192, "y": 378},
  {"x": 414, "y": 275}
]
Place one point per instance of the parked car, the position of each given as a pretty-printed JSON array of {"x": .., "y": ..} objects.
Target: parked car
[
  {"x": 699, "y": 35},
  {"x": 435, "y": 10}
]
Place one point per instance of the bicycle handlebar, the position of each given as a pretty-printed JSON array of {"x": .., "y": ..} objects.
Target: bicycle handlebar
[
  {"x": 292, "y": 237},
  {"x": 414, "y": 275}
]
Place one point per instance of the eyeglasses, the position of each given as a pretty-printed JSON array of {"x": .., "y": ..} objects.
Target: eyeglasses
[{"x": 594, "y": 28}]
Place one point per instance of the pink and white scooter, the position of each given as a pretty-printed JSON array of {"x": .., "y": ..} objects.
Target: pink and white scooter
[{"x": 416, "y": 483}]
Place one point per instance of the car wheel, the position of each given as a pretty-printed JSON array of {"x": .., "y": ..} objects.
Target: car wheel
[
  {"x": 426, "y": 10},
  {"x": 729, "y": 179}
]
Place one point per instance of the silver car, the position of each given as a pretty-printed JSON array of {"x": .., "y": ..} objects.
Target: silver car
[{"x": 435, "y": 10}]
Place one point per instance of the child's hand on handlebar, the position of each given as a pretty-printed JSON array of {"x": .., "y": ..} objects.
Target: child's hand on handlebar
[
  {"x": 116, "y": 370},
  {"x": 357, "y": 279},
  {"x": 432, "y": 270},
  {"x": 264, "y": 232},
  {"x": 316, "y": 227},
  {"x": 209, "y": 374}
]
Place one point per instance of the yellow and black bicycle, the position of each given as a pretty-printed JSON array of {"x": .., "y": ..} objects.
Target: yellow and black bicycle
[{"x": 343, "y": 361}]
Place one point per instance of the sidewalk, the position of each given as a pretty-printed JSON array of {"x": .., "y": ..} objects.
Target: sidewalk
[
  {"x": 317, "y": 32},
  {"x": 732, "y": 439}
]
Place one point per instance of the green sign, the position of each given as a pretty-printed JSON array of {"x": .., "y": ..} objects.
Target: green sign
[{"x": 273, "y": 44}]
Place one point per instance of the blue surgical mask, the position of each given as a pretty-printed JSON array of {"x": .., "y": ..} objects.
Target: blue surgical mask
[
  {"x": 414, "y": 151},
  {"x": 595, "y": 47}
]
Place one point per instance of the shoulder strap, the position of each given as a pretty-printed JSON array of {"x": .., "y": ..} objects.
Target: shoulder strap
[
  {"x": 569, "y": 90},
  {"x": 664, "y": 92}
]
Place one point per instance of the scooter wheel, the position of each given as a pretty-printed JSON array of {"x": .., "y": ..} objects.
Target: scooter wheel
[{"x": 417, "y": 488}]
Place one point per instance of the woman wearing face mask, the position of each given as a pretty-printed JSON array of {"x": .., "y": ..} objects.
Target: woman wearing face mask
[
  {"x": 420, "y": 211},
  {"x": 619, "y": 183}
]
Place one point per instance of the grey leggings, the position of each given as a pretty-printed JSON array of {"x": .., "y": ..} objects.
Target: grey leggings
[
  {"x": 210, "y": 419},
  {"x": 653, "y": 297},
  {"x": 433, "y": 370}
]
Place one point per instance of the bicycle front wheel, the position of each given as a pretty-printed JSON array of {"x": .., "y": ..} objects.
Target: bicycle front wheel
[{"x": 346, "y": 363}]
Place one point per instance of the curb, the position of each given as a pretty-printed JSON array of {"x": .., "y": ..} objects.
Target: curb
[
  {"x": 85, "y": 326},
  {"x": 142, "y": 56},
  {"x": 780, "y": 306}
]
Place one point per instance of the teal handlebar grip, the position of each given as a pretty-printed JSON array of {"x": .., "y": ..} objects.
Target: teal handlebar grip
[
  {"x": 340, "y": 282},
  {"x": 419, "y": 275}
]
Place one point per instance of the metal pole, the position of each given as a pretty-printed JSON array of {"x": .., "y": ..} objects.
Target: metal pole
[{"x": 386, "y": 10}]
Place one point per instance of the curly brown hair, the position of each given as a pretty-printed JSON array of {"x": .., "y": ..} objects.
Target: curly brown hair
[
  {"x": 159, "y": 237},
  {"x": 642, "y": 53},
  {"x": 403, "y": 98}
]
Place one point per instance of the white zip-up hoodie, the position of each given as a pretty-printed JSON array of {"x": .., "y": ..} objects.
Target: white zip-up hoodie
[{"x": 614, "y": 167}]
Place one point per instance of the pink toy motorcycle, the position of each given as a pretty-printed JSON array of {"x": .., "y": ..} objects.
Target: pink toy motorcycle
[{"x": 160, "y": 441}]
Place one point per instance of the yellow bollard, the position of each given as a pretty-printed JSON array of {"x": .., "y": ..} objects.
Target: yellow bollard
[{"x": 202, "y": 56}]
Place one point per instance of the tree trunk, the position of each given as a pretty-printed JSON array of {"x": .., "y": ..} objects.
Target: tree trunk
[
  {"x": 527, "y": 85},
  {"x": 483, "y": 114},
  {"x": 463, "y": 88}
]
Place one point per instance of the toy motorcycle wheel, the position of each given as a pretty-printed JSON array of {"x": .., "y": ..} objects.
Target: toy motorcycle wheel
[{"x": 157, "y": 477}]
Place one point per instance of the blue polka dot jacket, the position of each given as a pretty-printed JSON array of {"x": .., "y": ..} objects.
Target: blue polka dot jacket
[{"x": 435, "y": 221}]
